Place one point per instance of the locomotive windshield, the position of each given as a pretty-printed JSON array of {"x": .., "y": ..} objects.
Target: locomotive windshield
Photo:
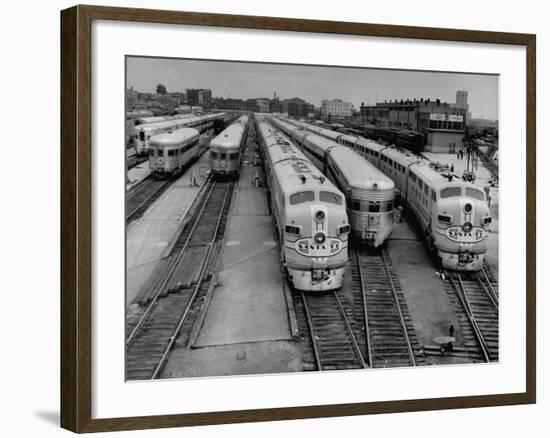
[
  {"x": 449, "y": 192},
  {"x": 474, "y": 193},
  {"x": 299, "y": 197},
  {"x": 330, "y": 197}
]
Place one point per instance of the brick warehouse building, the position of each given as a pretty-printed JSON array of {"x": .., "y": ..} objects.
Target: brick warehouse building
[{"x": 442, "y": 123}]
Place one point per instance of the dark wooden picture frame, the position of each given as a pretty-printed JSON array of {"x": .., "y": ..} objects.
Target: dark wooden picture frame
[{"x": 76, "y": 218}]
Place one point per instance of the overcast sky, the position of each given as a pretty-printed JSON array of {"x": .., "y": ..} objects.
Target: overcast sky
[{"x": 312, "y": 83}]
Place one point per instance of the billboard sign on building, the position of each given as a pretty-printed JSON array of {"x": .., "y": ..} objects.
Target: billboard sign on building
[{"x": 446, "y": 117}]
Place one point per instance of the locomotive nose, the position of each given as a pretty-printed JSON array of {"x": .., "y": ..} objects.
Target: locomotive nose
[
  {"x": 320, "y": 216},
  {"x": 467, "y": 227},
  {"x": 319, "y": 238}
]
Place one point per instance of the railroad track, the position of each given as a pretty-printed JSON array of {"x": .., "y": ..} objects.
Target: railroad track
[
  {"x": 475, "y": 301},
  {"x": 140, "y": 197},
  {"x": 382, "y": 319},
  {"x": 333, "y": 340},
  {"x": 175, "y": 302}
]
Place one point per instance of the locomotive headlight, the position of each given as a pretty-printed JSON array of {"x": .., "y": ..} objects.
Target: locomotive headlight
[
  {"x": 467, "y": 227},
  {"x": 320, "y": 216},
  {"x": 319, "y": 238},
  {"x": 468, "y": 207}
]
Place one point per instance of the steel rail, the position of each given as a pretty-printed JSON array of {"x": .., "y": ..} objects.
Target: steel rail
[
  {"x": 311, "y": 333},
  {"x": 141, "y": 204},
  {"x": 175, "y": 334},
  {"x": 347, "y": 325},
  {"x": 365, "y": 309},
  {"x": 490, "y": 288},
  {"x": 402, "y": 319},
  {"x": 487, "y": 292},
  {"x": 170, "y": 272},
  {"x": 138, "y": 186},
  {"x": 461, "y": 293},
  {"x": 350, "y": 332}
]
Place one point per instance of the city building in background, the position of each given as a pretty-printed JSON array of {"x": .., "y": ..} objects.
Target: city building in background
[
  {"x": 258, "y": 105},
  {"x": 462, "y": 103},
  {"x": 297, "y": 107},
  {"x": 335, "y": 108},
  {"x": 199, "y": 97}
]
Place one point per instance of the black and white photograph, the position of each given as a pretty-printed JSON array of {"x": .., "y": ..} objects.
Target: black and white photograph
[{"x": 286, "y": 218}]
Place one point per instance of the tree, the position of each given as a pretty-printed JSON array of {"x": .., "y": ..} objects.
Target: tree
[{"x": 161, "y": 89}]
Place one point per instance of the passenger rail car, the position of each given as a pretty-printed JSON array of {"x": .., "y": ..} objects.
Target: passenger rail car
[
  {"x": 145, "y": 132},
  {"x": 225, "y": 149},
  {"x": 156, "y": 119},
  {"x": 453, "y": 214},
  {"x": 404, "y": 138},
  {"x": 369, "y": 193},
  {"x": 170, "y": 153},
  {"x": 131, "y": 117},
  {"x": 310, "y": 213}
]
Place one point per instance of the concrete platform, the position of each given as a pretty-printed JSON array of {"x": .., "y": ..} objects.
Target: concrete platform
[
  {"x": 148, "y": 237},
  {"x": 249, "y": 304},
  {"x": 429, "y": 305},
  {"x": 137, "y": 174},
  {"x": 237, "y": 359}
]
